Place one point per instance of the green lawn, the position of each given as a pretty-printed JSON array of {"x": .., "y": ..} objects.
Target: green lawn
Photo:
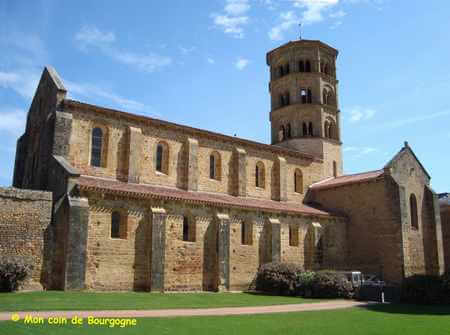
[
  {"x": 381, "y": 319},
  {"x": 57, "y": 300}
]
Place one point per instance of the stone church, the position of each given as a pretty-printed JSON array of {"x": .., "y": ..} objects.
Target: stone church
[{"x": 108, "y": 200}]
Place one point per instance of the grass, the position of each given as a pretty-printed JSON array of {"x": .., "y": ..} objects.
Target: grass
[
  {"x": 57, "y": 300},
  {"x": 380, "y": 319}
]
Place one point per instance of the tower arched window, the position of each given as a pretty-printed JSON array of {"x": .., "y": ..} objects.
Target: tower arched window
[
  {"x": 327, "y": 129},
  {"x": 307, "y": 66},
  {"x": 288, "y": 131},
  {"x": 305, "y": 129},
  {"x": 287, "y": 98},
  {"x": 97, "y": 147},
  {"x": 331, "y": 131},
  {"x": 301, "y": 66},
  {"x": 281, "y": 71},
  {"x": 325, "y": 97},
  {"x": 298, "y": 181},
  {"x": 286, "y": 69},
  {"x": 162, "y": 158},
  {"x": 260, "y": 175},
  {"x": 310, "y": 129},
  {"x": 413, "y": 211},
  {"x": 309, "y": 96},
  {"x": 303, "y": 96},
  {"x": 326, "y": 69},
  {"x": 115, "y": 225}
]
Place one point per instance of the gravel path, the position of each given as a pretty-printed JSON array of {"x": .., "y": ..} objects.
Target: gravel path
[{"x": 337, "y": 304}]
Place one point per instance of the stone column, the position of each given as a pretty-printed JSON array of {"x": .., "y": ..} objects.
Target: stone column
[
  {"x": 223, "y": 240},
  {"x": 158, "y": 249},
  {"x": 76, "y": 245},
  {"x": 241, "y": 172},
  {"x": 192, "y": 164},
  {"x": 276, "y": 239},
  {"x": 134, "y": 158},
  {"x": 282, "y": 178}
]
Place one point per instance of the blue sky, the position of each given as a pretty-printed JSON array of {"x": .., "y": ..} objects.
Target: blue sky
[{"x": 202, "y": 63}]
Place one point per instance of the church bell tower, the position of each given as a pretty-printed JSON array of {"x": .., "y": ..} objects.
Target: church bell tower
[{"x": 304, "y": 101}]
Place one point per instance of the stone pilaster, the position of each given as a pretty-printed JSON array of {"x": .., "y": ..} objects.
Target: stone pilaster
[
  {"x": 63, "y": 129},
  {"x": 158, "y": 249},
  {"x": 241, "y": 172},
  {"x": 282, "y": 178},
  {"x": 276, "y": 239},
  {"x": 192, "y": 164},
  {"x": 134, "y": 159},
  {"x": 223, "y": 240},
  {"x": 75, "y": 255}
]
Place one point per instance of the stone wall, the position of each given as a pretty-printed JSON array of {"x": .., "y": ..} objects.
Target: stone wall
[
  {"x": 445, "y": 221},
  {"x": 192, "y": 265},
  {"x": 25, "y": 230}
]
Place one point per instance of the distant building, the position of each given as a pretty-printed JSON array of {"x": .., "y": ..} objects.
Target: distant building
[{"x": 140, "y": 203}]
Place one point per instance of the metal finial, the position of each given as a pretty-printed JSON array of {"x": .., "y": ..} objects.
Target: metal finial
[{"x": 300, "y": 25}]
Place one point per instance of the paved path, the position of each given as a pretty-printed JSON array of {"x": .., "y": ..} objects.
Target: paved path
[{"x": 337, "y": 304}]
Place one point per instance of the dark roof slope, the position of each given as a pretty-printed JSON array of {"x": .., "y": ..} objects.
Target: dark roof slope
[
  {"x": 148, "y": 191},
  {"x": 347, "y": 179}
]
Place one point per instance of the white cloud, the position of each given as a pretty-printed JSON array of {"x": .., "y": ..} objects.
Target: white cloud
[
  {"x": 241, "y": 63},
  {"x": 288, "y": 20},
  {"x": 186, "y": 51},
  {"x": 91, "y": 36},
  {"x": 359, "y": 114},
  {"x": 90, "y": 90},
  {"x": 414, "y": 119},
  {"x": 234, "y": 18},
  {"x": 23, "y": 82},
  {"x": 13, "y": 121},
  {"x": 237, "y": 7},
  {"x": 313, "y": 9},
  {"x": 339, "y": 14},
  {"x": 210, "y": 60}
]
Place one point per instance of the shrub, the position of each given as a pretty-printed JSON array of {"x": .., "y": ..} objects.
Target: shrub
[
  {"x": 331, "y": 285},
  {"x": 13, "y": 271},
  {"x": 278, "y": 278}
]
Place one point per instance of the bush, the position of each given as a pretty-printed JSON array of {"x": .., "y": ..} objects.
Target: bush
[
  {"x": 13, "y": 271},
  {"x": 423, "y": 289},
  {"x": 331, "y": 285},
  {"x": 278, "y": 278}
]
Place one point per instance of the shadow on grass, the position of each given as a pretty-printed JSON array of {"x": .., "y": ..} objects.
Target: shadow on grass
[{"x": 409, "y": 309}]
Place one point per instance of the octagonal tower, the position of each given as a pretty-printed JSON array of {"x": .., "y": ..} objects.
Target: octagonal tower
[{"x": 304, "y": 101}]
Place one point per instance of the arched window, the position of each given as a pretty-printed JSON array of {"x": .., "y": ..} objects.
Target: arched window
[
  {"x": 301, "y": 66},
  {"x": 309, "y": 96},
  {"x": 188, "y": 229},
  {"x": 334, "y": 169},
  {"x": 331, "y": 131},
  {"x": 260, "y": 175},
  {"x": 305, "y": 129},
  {"x": 327, "y": 129},
  {"x": 311, "y": 129},
  {"x": 293, "y": 236},
  {"x": 282, "y": 133},
  {"x": 215, "y": 166},
  {"x": 115, "y": 225},
  {"x": 246, "y": 233},
  {"x": 304, "y": 96},
  {"x": 281, "y": 71},
  {"x": 282, "y": 103},
  {"x": 287, "y": 98},
  {"x": 325, "y": 97},
  {"x": 286, "y": 69},
  {"x": 308, "y": 66},
  {"x": 413, "y": 211},
  {"x": 96, "y": 147},
  {"x": 298, "y": 181},
  {"x": 162, "y": 158},
  {"x": 326, "y": 69},
  {"x": 330, "y": 99},
  {"x": 288, "y": 130}
]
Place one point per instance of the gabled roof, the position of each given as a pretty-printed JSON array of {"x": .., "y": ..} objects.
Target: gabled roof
[
  {"x": 143, "y": 191},
  {"x": 400, "y": 153},
  {"x": 348, "y": 179}
]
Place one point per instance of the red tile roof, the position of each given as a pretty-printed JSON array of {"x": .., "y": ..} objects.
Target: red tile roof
[
  {"x": 148, "y": 191},
  {"x": 347, "y": 179}
]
